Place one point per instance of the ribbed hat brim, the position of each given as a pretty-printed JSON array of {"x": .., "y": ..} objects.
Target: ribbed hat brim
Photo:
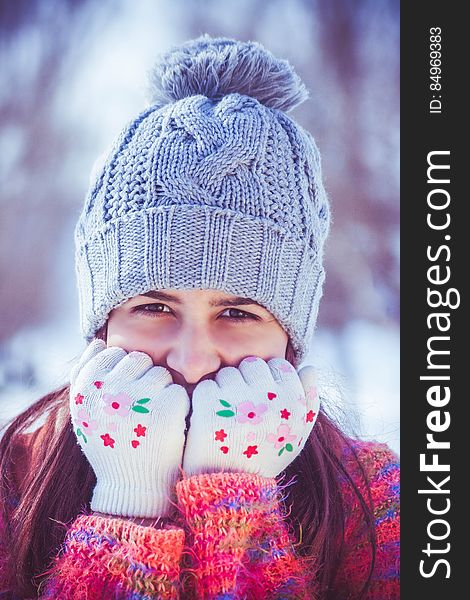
[{"x": 200, "y": 247}]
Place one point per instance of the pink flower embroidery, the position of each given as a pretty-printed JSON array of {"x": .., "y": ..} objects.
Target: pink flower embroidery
[
  {"x": 285, "y": 414},
  {"x": 247, "y": 412},
  {"x": 118, "y": 404},
  {"x": 79, "y": 399},
  {"x": 282, "y": 437},
  {"x": 312, "y": 393},
  {"x": 83, "y": 420}
]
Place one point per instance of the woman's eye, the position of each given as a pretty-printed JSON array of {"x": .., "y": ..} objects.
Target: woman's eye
[
  {"x": 238, "y": 315},
  {"x": 152, "y": 309}
]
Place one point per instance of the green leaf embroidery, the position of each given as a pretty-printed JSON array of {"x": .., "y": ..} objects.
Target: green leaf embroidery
[
  {"x": 280, "y": 451},
  {"x": 143, "y": 401},
  {"x": 289, "y": 447},
  {"x": 80, "y": 433},
  {"x": 225, "y": 413},
  {"x": 225, "y": 403},
  {"x": 140, "y": 409}
]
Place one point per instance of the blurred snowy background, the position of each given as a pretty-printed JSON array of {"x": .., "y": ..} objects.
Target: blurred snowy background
[{"x": 73, "y": 71}]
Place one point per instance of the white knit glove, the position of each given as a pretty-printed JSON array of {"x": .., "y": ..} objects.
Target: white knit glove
[
  {"x": 253, "y": 419},
  {"x": 129, "y": 419}
]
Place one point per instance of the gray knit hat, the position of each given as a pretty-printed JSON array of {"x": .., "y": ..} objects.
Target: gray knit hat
[{"x": 213, "y": 186}]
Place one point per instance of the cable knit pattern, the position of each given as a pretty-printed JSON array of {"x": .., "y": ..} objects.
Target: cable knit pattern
[
  {"x": 104, "y": 558},
  {"x": 217, "y": 188}
]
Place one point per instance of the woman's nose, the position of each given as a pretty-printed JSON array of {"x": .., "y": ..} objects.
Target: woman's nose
[{"x": 193, "y": 354}]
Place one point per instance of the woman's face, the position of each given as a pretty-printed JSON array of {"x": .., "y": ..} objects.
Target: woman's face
[{"x": 194, "y": 333}]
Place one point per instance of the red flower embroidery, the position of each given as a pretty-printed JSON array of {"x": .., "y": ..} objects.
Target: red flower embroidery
[
  {"x": 309, "y": 417},
  {"x": 250, "y": 451},
  {"x": 140, "y": 430},
  {"x": 285, "y": 414},
  {"x": 108, "y": 440},
  {"x": 224, "y": 449},
  {"x": 79, "y": 399},
  {"x": 220, "y": 435}
]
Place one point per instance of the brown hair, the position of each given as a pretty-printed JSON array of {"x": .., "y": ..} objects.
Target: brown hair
[{"x": 59, "y": 484}]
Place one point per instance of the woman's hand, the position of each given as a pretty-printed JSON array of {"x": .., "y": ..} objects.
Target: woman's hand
[
  {"x": 253, "y": 419},
  {"x": 129, "y": 419}
]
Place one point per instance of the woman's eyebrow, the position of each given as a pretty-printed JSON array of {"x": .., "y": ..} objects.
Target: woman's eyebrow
[
  {"x": 235, "y": 300},
  {"x": 239, "y": 300},
  {"x": 162, "y": 296}
]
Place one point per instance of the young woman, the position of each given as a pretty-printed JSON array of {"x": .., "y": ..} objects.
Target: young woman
[{"x": 189, "y": 457}]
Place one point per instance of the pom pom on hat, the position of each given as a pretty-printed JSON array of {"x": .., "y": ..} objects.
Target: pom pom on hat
[{"x": 215, "y": 67}]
